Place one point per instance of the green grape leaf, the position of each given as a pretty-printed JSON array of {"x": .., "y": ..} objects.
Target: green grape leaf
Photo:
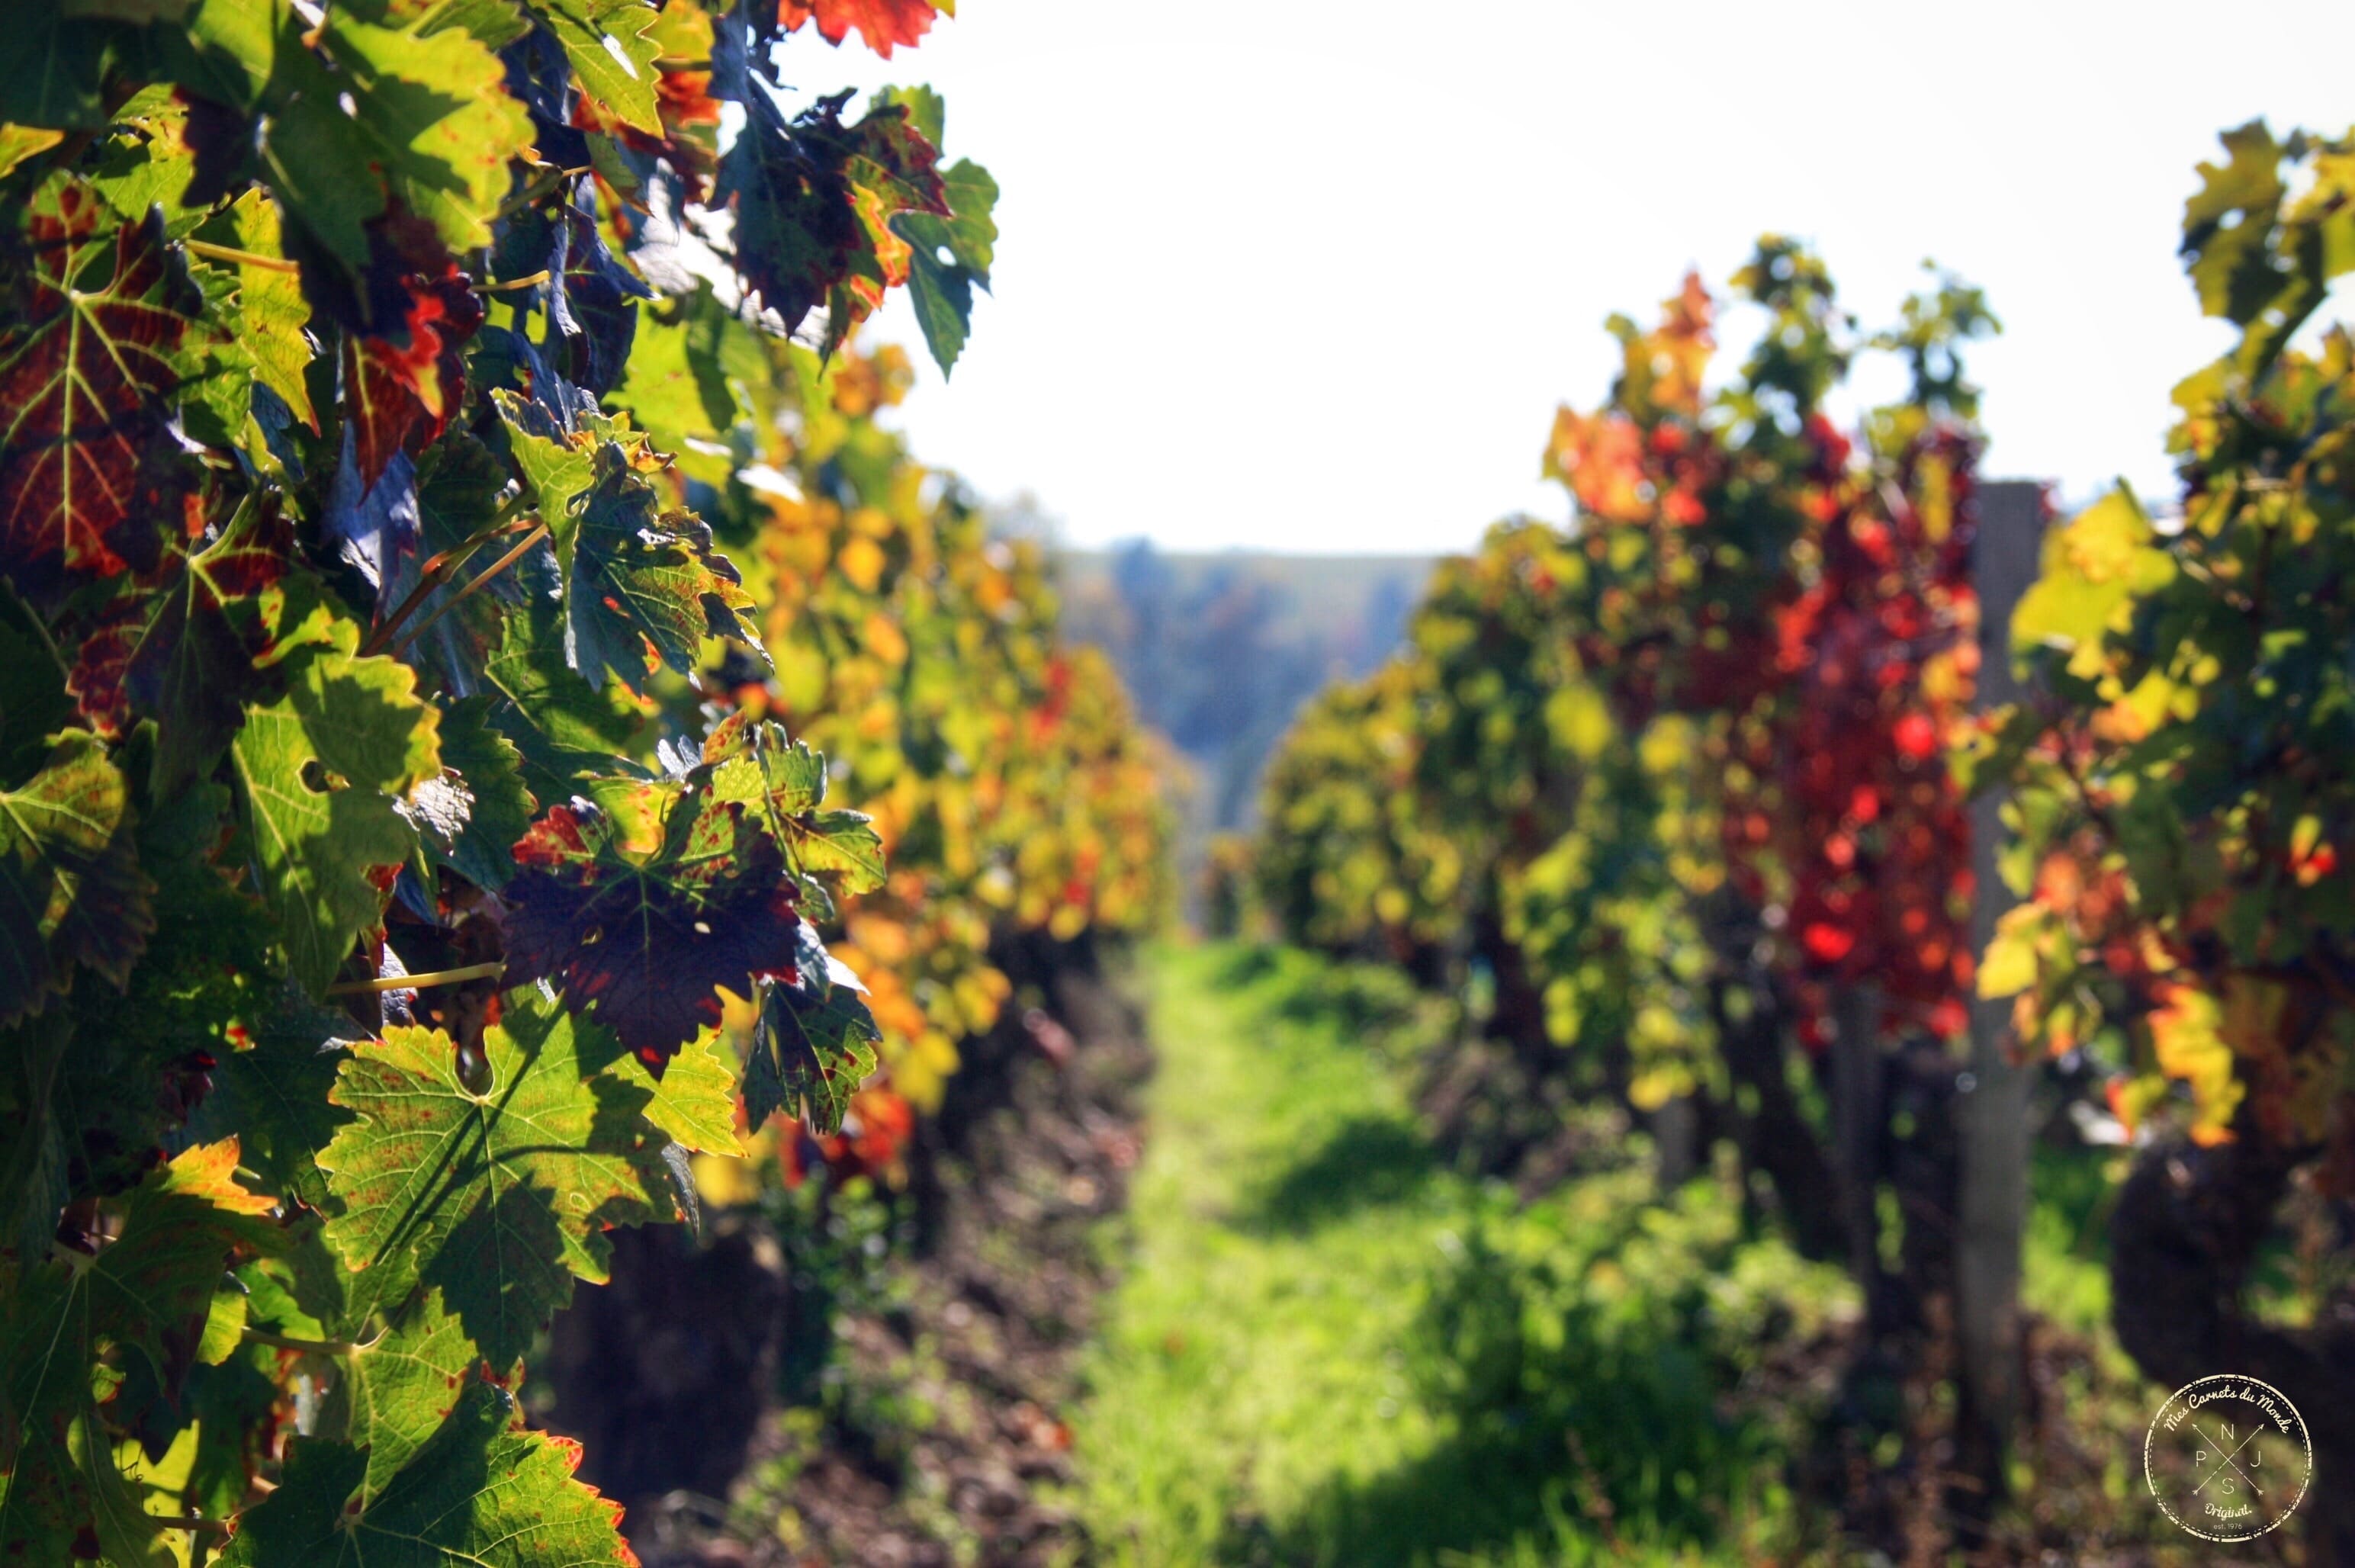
[
  {"x": 950, "y": 257},
  {"x": 2227, "y": 222},
  {"x": 70, "y": 887},
  {"x": 482, "y": 1492},
  {"x": 644, "y": 588},
  {"x": 559, "y": 469},
  {"x": 396, "y": 1389},
  {"x": 85, "y": 369},
  {"x": 612, "y": 52},
  {"x": 431, "y": 126},
  {"x": 565, "y": 729},
  {"x": 147, "y": 1293},
  {"x": 321, "y": 769},
  {"x": 813, "y": 1045},
  {"x": 2094, "y": 568},
  {"x": 270, "y": 310},
  {"x": 785, "y": 782},
  {"x": 501, "y": 1197},
  {"x": 838, "y": 843},
  {"x": 694, "y": 1101}
]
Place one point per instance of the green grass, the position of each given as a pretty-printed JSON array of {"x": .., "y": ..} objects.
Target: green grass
[{"x": 1328, "y": 1348}]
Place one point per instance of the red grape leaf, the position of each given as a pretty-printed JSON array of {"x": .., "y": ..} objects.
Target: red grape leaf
[
  {"x": 401, "y": 388},
  {"x": 884, "y": 24},
  {"x": 84, "y": 373},
  {"x": 643, "y": 944}
]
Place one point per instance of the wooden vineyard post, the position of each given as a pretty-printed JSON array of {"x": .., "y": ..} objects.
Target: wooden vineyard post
[{"x": 1992, "y": 1105}]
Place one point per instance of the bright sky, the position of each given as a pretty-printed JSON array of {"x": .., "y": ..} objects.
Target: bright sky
[{"x": 1314, "y": 277}]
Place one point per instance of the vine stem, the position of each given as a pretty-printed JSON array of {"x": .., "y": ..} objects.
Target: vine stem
[
  {"x": 485, "y": 970},
  {"x": 212, "y": 253},
  {"x": 439, "y": 568},
  {"x": 288, "y": 1342},
  {"x": 546, "y": 182},
  {"x": 532, "y": 281},
  {"x": 199, "y": 1526},
  {"x": 471, "y": 589}
]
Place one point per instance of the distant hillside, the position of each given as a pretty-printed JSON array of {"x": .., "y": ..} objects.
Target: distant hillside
[{"x": 1220, "y": 650}]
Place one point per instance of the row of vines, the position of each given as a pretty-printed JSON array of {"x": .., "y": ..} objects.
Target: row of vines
[
  {"x": 457, "y": 584},
  {"x": 1685, "y": 793}
]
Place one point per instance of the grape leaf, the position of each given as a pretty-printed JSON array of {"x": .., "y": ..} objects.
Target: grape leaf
[
  {"x": 619, "y": 74},
  {"x": 84, "y": 373},
  {"x": 147, "y": 1293},
  {"x": 35, "y": 700},
  {"x": 62, "y": 64},
  {"x": 950, "y": 257},
  {"x": 565, "y": 729},
  {"x": 274, "y": 1092},
  {"x": 884, "y": 24},
  {"x": 396, "y": 1389},
  {"x": 500, "y": 1197},
  {"x": 271, "y": 311},
  {"x": 694, "y": 1101},
  {"x": 637, "y": 581},
  {"x": 320, "y": 768},
  {"x": 70, "y": 886},
  {"x": 401, "y": 388},
  {"x": 487, "y": 764},
  {"x": 786, "y": 780},
  {"x": 431, "y": 126},
  {"x": 814, "y": 201},
  {"x": 643, "y": 944},
  {"x": 193, "y": 670},
  {"x": 482, "y": 1492},
  {"x": 813, "y": 1045}
]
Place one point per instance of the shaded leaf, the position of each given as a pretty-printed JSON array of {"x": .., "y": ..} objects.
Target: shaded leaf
[
  {"x": 643, "y": 943},
  {"x": 643, "y": 588},
  {"x": 818, "y": 1038},
  {"x": 193, "y": 670},
  {"x": 483, "y": 1491},
  {"x": 145, "y": 1294},
  {"x": 70, "y": 887}
]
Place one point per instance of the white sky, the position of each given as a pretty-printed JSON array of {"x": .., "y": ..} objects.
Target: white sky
[{"x": 1313, "y": 276}]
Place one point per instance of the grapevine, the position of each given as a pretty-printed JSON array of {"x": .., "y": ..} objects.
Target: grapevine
[{"x": 392, "y": 836}]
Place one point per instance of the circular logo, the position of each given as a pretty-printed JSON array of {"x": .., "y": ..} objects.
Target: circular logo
[{"x": 2228, "y": 1458}]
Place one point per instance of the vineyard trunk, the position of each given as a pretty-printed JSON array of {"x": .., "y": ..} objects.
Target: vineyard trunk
[{"x": 1993, "y": 1109}]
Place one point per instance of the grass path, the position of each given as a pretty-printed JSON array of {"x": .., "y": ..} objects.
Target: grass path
[
  {"x": 1250, "y": 1360},
  {"x": 1261, "y": 1389},
  {"x": 1328, "y": 1348}
]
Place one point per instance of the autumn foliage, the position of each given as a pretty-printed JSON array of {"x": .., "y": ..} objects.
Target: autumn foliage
[{"x": 443, "y": 513}]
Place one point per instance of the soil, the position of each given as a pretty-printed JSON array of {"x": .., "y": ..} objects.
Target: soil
[{"x": 937, "y": 1432}]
